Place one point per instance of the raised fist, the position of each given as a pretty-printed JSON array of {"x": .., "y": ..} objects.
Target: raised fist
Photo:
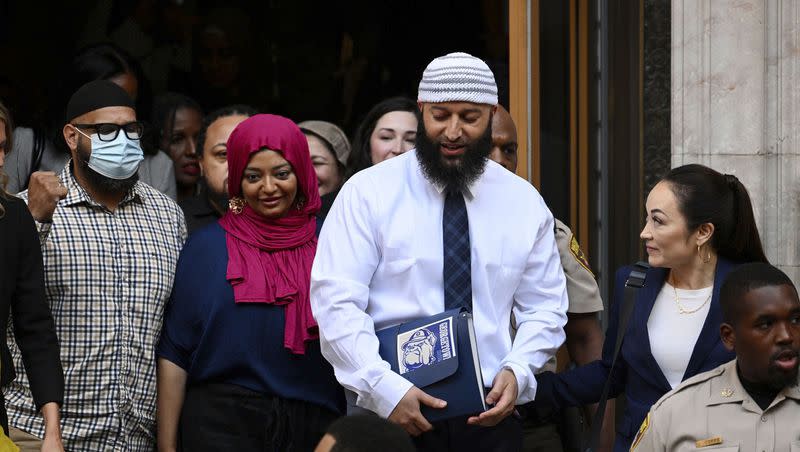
[{"x": 44, "y": 192}]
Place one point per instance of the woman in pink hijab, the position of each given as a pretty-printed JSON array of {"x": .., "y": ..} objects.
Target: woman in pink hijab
[{"x": 239, "y": 360}]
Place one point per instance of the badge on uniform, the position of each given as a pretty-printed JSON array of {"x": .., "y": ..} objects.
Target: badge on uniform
[
  {"x": 577, "y": 252},
  {"x": 727, "y": 392},
  {"x": 708, "y": 442}
]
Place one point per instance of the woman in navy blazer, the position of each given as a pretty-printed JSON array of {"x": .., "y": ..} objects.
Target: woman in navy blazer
[{"x": 699, "y": 226}]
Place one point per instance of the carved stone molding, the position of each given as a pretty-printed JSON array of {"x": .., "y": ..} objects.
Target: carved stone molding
[{"x": 656, "y": 102}]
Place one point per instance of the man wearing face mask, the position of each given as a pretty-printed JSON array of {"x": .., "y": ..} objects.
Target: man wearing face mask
[{"x": 110, "y": 245}]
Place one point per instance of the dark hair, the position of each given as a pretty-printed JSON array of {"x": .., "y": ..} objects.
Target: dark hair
[
  {"x": 707, "y": 196},
  {"x": 224, "y": 112},
  {"x": 361, "y": 158},
  {"x": 366, "y": 433},
  {"x": 162, "y": 119},
  {"x": 96, "y": 62},
  {"x": 745, "y": 278},
  {"x": 8, "y": 126}
]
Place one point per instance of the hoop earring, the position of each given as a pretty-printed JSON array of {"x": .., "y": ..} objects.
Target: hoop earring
[
  {"x": 301, "y": 202},
  {"x": 705, "y": 259},
  {"x": 236, "y": 205}
]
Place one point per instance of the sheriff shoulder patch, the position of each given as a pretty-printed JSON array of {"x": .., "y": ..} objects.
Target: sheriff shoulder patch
[
  {"x": 577, "y": 253},
  {"x": 641, "y": 432}
]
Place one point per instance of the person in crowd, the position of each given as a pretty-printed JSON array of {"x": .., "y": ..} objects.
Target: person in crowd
[
  {"x": 752, "y": 402},
  {"x": 239, "y": 361},
  {"x": 329, "y": 149},
  {"x": 364, "y": 433},
  {"x": 699, "y": 226},
  {"x": 388, "y": 130},
  {"x": 419, "y": 234},
  {"x": 584, "y": 335},
  {"x": 221, "y": 72},
  {"x": 22, "y": 298},
  {"x": 176, "y": 122},
  {"x": 110, "y": 245},
  {"x": 211, "y": 201},
  {"x": 44, "y": 149}
]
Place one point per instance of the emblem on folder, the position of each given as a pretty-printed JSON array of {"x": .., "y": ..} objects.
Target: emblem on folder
[
  {"x": 425, "y": 346},
  {"x": 424, "y": 352}
]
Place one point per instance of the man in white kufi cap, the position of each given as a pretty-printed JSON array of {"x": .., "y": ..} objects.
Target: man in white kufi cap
[{"x": 438, "y": 228}]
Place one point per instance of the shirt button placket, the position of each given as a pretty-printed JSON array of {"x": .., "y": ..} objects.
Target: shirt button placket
[{"x": 765, "y": 433}]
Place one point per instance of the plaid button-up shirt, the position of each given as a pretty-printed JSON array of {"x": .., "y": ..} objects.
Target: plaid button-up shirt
[{"x": 108, "y": 276}]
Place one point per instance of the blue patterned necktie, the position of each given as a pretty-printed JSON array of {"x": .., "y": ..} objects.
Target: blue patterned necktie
[{"x": 457, "y": 267}]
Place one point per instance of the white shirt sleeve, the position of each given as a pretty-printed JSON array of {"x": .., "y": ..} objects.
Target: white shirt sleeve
[
  {"x": 540, "y": 305},
  {"x": 346, "y": 259}
]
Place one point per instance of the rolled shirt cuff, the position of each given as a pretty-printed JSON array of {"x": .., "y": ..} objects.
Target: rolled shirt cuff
[
  {"x": 525, "y": 390},
  {"x": 44, "y": 230},
  {"x": 386, "y": 394}
]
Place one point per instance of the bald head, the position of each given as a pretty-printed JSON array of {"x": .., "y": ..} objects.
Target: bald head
[{"x": 504, "y": 139}]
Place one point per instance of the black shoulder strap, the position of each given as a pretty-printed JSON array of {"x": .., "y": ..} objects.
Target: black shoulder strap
[{"x": 634, "y": 282}]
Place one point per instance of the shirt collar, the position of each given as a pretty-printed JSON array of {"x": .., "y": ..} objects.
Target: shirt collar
[
  {"x": 729, "y": 389},
  {"x": 78, "y": 195}
]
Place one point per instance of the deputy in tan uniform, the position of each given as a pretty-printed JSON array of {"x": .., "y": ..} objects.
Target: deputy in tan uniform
[
  {"x": 584, "y": 335},
  {"x": 753, "y": 402}
]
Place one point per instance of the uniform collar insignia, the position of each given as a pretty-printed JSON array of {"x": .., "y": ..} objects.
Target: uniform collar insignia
[{"x": 727, "y": 392}]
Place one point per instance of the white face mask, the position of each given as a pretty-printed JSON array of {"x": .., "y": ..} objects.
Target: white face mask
[{"x": 117, "y": 159}]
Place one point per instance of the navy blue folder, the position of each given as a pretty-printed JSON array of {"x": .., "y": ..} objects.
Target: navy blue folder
[{"x": 438, "y": 354}]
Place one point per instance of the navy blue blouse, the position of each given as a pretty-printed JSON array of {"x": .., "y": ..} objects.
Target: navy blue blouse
[{"x": 217, "y": 340}]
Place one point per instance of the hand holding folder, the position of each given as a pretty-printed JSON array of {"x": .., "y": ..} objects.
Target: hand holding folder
[
  {"x": 503, "y": 396},
  {"x": 408, "y": 414},
  {"x": 438, "y": 355}
]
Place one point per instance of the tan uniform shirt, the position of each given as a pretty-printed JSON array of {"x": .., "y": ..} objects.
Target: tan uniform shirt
[
  {"x": 582, "y": 290},
  {"x": 712, "y": 412}
]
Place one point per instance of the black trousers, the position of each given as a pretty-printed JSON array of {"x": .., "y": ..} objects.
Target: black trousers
[
  {"x": 225, "y": 417},
  {"x": 456, "y": 435}
]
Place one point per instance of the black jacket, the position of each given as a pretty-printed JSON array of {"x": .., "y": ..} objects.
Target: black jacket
[{"x": 22, "y": 293}]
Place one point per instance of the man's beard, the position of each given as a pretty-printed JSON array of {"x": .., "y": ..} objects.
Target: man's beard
[
  {"x": 778, "y": 379},
  {"x": 455, "y": 176},
  {"x": 99, "y": 182},
  {"x": 218, "y": 201}
]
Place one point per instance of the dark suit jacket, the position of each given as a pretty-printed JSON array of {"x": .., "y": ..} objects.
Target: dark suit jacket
[
  {"x": 637, "y": 373},
  {"x": 22, "y": 294}
]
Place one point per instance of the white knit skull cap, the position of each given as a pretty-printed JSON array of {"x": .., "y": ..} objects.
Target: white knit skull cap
[{"x": 458, "y": 77}]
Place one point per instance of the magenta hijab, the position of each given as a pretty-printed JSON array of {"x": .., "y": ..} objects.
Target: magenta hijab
[{"x": 269, "y": 260}]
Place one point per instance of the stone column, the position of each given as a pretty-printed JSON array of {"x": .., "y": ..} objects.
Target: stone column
[{"x": 736, "y": 105}]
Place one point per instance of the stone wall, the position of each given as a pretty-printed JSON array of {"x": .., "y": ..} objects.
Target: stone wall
[
  {"x": 735, "y": 106},
  {"x": 656, "y": 103}
]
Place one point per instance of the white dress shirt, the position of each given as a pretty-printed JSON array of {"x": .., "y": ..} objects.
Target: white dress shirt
[{"x": 379, "y": 263}]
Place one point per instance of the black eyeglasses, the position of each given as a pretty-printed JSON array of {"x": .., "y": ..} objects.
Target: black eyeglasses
[{"x": 108, "y": 131}]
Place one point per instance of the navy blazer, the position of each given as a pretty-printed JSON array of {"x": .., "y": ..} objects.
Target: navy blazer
[{"x": 637, "y": 373}]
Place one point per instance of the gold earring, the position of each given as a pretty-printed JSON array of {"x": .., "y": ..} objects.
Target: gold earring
[
  {"x": 705, "y": 259},
  {"x": 236, "y": 204}
]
